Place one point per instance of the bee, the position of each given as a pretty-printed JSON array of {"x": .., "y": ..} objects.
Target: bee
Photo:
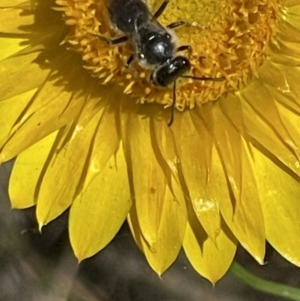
[{"x": 155, "y": 45}]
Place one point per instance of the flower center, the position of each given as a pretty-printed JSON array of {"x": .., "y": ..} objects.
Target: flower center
[{"x": 228, "y": 38}]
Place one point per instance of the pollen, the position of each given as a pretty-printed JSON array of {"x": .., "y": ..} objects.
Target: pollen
[{"x": 227, "y": 38}]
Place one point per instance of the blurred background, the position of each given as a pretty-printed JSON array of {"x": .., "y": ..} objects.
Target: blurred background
[{"x": 42, "y": 267}]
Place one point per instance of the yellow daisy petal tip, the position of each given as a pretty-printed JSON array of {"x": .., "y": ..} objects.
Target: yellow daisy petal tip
[
  {"x": 260, "y": 260},
  {"x": 79, "y": 258},
  {"x": 2, "y": 158},
  {"x": 40, "y": 227}
]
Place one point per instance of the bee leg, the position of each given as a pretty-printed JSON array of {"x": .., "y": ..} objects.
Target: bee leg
[
  {"x": 173, "y": 106},
  {"x": 176, "y": 24},
  {"x": 129, "y": 61},
  {"x": 161, "y": 9},
  {"x": 183, "y": 48},
  {"x": 113, "y": 41},
  {"x": 118, "y": 40}
]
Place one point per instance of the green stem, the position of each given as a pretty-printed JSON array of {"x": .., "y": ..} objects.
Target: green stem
[{"x": 266, "y": 286}]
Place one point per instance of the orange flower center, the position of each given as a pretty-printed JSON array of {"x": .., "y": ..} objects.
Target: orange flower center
[{"x": 227, "y": 38}]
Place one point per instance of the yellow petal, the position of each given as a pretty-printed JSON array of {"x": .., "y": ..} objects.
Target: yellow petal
[
  {"x": 281, "y": 85},
  {"x": 266, "y": 137},
  {"x": 12, "y": 3},
  {"x": 148, "y": 178},
  {"x": 99, "y": 211},
  {"x": 210, "y": 259},
  {"x": 65, "y": 170},
  {"x": 9, "y": 46},
  {"x": 158, "y": 218},
  {"x": 293, "y": 13},
  {"x": 279, "y": 193},
  {"x": 264, "y": 102},
  {"x": 106, "y": 141},
  {"x": 10, "y": 110},
  {"x": 287, "y": 30},
  {"x": 195, "y": 152},
  {"x": 289, "y": 3},
  {"x": 291, "y": 88},
  {"x": 26, "y": 172},
  {"x": 41, "y": 120},
  {"x": 291, "y": 122},
  {"x": 20, "y": 73},
  {"x": 247, "y": 223},
  {"x": 12, "y": 17},
  {"x": 169, "y": 233}
]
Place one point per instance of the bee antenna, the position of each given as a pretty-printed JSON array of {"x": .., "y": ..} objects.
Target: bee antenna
[
  {"x": 216, "y": 79},
  {"x": 173, "y": 105}
]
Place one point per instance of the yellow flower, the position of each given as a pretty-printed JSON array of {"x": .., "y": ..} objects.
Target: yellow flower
[{"x": 85, "y": 136}]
